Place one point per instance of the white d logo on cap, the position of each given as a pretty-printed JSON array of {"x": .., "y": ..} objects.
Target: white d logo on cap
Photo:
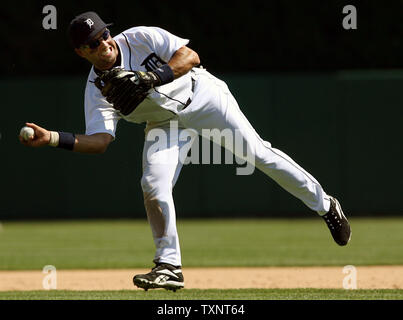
[{"x": 89, "y": 22}]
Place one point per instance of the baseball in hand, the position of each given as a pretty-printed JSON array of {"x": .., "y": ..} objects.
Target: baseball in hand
[{"x": 27, "y": 132}]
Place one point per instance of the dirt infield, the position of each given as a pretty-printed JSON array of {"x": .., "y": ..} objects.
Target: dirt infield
[{"x": 371, "y": 277}]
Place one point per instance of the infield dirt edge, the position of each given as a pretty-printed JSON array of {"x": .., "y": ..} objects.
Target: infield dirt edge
[{"x": 367, "y": 277}]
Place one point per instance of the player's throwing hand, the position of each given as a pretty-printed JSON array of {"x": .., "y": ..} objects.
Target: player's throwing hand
[{"x": 40, "y": 138}]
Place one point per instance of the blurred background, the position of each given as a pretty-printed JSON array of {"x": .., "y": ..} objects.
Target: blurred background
[{"x": 330, "y": 98}]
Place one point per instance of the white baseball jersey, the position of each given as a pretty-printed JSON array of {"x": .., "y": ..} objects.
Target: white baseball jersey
[
  {"x": 212, "y": 107},
  {"x": 143, "y": 49}
]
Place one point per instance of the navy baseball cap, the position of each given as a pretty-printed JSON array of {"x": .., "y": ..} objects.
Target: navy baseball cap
[{"x": 84, "y": 27}]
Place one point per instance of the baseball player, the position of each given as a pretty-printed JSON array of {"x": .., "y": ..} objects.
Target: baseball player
[{"x": 148, "y": 75}]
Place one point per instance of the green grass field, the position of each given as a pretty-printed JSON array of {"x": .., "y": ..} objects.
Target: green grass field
[
  {"x": 205, "y": 243},
  {"x": 210, "y": 294}
]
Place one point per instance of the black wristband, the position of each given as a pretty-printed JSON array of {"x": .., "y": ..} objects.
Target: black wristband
[
  {"x": 165, "y": 74},
  {"x": 66, "y": 140}
]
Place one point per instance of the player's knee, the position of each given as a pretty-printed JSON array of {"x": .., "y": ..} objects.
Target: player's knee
[
  {"x": 154, "y": 189},
  {"x": 147, "y": 185}
]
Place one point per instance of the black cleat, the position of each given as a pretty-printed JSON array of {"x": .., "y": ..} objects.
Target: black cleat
[
  {"x": 163, "y": 275},
  {"x": 337, "y": 223}
]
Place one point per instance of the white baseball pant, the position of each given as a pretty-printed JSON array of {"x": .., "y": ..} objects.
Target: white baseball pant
[{"x": 212, "y": 107}]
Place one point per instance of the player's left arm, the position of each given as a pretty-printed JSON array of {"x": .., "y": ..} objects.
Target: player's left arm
[
  {"x": 114, "y": 83},
  {"x": 183, "y": 60}
]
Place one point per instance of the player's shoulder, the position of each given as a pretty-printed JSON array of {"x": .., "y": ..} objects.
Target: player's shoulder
[
  {"x": 141, "y": 32},
  {"x": 139, "y": 29}
]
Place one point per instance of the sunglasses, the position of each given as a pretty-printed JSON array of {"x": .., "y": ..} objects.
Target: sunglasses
[{"x": 96, "y": 42}]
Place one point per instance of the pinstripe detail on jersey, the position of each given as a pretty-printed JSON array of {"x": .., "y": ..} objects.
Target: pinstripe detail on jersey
[{"x": 130, "y": 52}]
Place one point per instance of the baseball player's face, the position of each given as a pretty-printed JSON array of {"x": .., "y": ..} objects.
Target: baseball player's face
[{"x": 104, "y": 55}]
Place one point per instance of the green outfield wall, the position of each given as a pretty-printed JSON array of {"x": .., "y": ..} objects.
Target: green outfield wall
[
  {"x": 250, "y": 36},
  {"x": 344, "y": 127}
]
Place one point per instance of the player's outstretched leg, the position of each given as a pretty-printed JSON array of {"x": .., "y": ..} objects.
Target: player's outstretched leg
[
  {"x": 337, "y": 223},
  {"x": 163, "y": 275},
  {"x": 216, "y": 108}
]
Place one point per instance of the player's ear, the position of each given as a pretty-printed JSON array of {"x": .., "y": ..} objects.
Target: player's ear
[{"x": 79, "y": 52}]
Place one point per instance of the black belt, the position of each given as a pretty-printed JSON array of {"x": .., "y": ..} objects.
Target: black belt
[{"x": 193, "y": 90}]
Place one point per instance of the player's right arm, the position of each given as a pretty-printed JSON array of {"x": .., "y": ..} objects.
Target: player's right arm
[{"x": 95, "y": 143}]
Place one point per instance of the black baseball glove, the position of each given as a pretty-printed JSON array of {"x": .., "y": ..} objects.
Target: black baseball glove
[{"x": 125, "y": 90}]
